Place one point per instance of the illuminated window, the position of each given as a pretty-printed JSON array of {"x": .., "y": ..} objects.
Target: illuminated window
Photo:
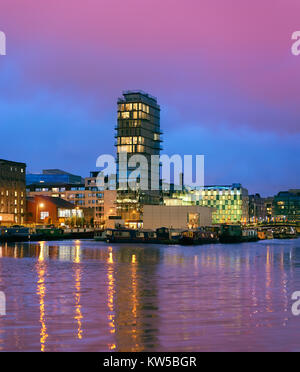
[
  {"x": 44, "y": 215},
  {"x": 125, "y": 148},
  {"x": 64, "y": 213},
  {"x": 125, "y": 115}
]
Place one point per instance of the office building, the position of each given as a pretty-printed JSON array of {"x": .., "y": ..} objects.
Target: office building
[
  {"x": 138, "y": 133},
  {"x": 12, "y": 192},
  {"x": 286, "y": 206},
  {"x": 230, "y": 203}
]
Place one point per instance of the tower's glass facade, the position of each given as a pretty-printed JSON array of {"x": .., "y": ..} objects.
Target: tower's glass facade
[{"x": 137, "y": 133}]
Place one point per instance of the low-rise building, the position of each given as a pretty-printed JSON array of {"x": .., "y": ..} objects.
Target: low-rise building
[
  {"x": 47, "y": 210},
  {"x": 12, "y": 192},
  {"x": 176, "y": 217},
  {"x": 85, "y": 195}
]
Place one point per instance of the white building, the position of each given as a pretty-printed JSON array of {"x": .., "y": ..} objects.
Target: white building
[{"x": 176, "y": 217}]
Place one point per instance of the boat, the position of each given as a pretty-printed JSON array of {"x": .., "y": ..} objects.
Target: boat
[
  {"x": 124, "y": 235},
  {"x": 14, "y": 233},
  {"x": 43, "y": 233},
  {"x": 249, "y": 235},
  {"x": 285, "y": 232},
  {"x": 230, "y": 234},
  {"x": 197, "y": 237},
  {"x": 261, "y": 234},
  {"x": 269, "y": 234}
]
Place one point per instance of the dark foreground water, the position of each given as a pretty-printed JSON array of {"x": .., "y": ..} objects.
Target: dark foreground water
[{"x": 90, "y": 296}]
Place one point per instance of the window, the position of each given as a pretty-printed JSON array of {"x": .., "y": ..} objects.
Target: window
[
  {"x": 44, "y": 215},
  {"x": 125, "y": 115},
  {"x": 124, "y": 148},
  {"x": 64, "y": 213}
]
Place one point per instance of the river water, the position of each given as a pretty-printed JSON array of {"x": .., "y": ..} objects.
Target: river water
[{"x": 92, "y": 296}]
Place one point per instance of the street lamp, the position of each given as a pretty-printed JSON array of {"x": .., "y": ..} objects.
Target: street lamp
[
  {"x": 76, "y": 216},
  {"x": 39, "y": 205}
]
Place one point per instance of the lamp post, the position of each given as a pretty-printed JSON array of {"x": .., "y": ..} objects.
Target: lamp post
[
  {"x": 41, "y": 205},
  {"x": 76, "y": 216}
]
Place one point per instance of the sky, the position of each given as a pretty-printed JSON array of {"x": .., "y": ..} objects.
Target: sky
[{"x": 222, "y": 70}]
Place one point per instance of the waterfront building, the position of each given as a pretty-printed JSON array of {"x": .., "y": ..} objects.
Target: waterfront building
[
  {"x": 287, "y": 206},
  {"x": 137, "y": 133},
  {"x": 257, "y": 208},
  {"x": 53, "y": 176},
  {"x": 230, "y": 203},
  {"x": 48, "y": 210},
  {"x": 176, "y": 217},
  {"x": 84, "y": 195},
  {"x": 12, "y": 192},
  {"x": 269, "y": 209}
]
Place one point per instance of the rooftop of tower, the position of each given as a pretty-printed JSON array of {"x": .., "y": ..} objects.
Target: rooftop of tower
[{"x": 138, "y": 95}]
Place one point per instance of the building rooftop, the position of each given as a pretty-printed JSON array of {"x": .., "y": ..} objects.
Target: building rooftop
[
  {"x": 55, "y": 171},
  {"x": 59, "y": 202},
  {"x": 9, "y": 162},
  {"x": 136, "y": 95}
]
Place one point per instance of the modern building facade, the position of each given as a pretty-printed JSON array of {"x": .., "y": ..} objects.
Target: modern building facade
[
  {"x": 286, "y": 206},
  {"x": 138, "y": 133},
  {"x": 230, "y": 203},
  {"x": 53, "y": 176},
  {"x": 12, "y": 192}
]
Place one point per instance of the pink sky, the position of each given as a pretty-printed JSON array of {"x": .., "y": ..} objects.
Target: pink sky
[{"x": 212, "y": 64}]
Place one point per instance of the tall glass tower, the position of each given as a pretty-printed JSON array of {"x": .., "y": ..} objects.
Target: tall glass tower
[{"x": 138, "y": 133}]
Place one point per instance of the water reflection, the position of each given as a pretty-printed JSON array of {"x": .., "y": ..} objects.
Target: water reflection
[
  {"x": 92, "y": 296},
  {"x": 41, "y": 268},
  {"x": 78, "y": 314}
]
